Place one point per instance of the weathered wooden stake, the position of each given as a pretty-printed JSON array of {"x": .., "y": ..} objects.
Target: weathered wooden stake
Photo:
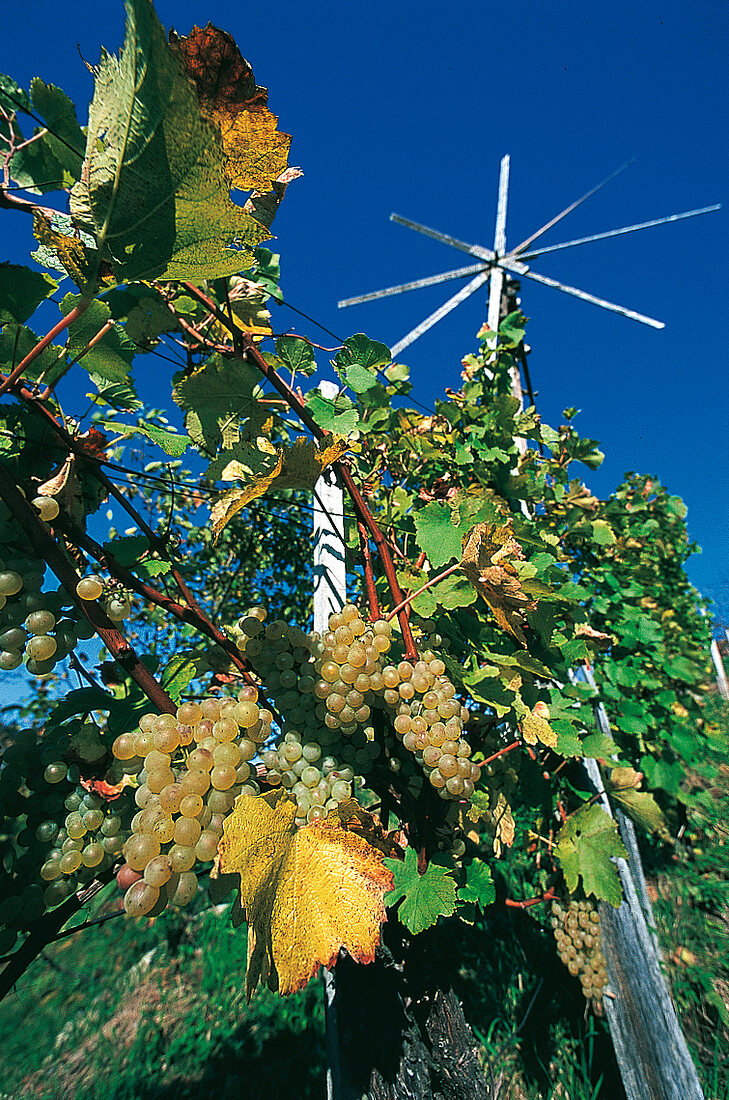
[{"x": 654, "y": 1060}]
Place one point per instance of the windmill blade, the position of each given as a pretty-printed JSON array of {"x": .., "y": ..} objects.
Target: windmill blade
[
  {"x": 568, "y": 210},
  {"x": 433, "y": 319},
  {"x": 444, "y": 238},
  {"x": 622, "y": 310},
  {"x": 619, "y": 232},
  {"x": 430, "y": 280}
]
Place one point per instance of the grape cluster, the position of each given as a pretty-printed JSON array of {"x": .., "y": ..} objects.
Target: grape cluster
[
  {"x": 328, "y": 686},
  {"x": 33, "y": 625},
  {"x": 116, "y": 602},
  {"x": 576, "y": 928},
  {"x": 89, "y": 841},
  {"x": 191, "y": 768},
  {"x": 42, "y": 862},
  {"x": 318, "y": 784}
]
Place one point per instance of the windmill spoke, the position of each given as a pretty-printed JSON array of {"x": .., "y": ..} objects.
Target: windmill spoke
[
  {"x": 590, "y": 298},
  {"x": 444, "y": 238},
  {"x": 433, "y": 319},
  {"x": 568, "y": 210},
  {"x": 430, "y": 280},
  {"x": 618, "y": 232}
]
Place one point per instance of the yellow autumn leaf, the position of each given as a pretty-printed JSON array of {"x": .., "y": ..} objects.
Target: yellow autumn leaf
[
  {"x": 489, "y": 553},
  {"x": 304, "y": 892},
  {"x": 535, "y": 728}
]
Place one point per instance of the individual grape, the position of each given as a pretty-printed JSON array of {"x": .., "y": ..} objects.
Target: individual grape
[
  {"x": 140, "y": 849},
  {"x": 207, "y": 845},
  {"x": 10, "y": 582},
  {"x": 90, "y": 587},
  {"x": 185, "y": 890},
  {"x": 47, "y": 508},
  {"x": 10, "y": 659},
  {"x": 140, "y": 899},
  {"x": 56, "y": 772}
]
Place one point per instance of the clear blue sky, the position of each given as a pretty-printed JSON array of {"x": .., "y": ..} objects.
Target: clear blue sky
[{"x": 409, "y": 107}]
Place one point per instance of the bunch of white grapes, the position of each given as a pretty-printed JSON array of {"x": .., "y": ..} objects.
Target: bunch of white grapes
[
  {"x": 89, "y": 842},
  {"x": 327, "y": 686},
  {"x": 576, "y": 928},
  {"x": 33, "y": 627},
  {"x": 191, "y": 768}
]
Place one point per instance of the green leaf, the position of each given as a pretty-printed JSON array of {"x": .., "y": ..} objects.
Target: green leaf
[
  {"x": 22, "y": 291},
  {"x": 437, "y": 535},
  {"x": 181, "y": 670},
  {"x": 642, "y": 807},
  {"x": 216, "y": 397},
  {"x": 172, "y": 443},
  {"x": 511, "y": 329},
  {"x": 81, "y": 701},
  {"x": 602, "y": 533},
  {"x": 297, "y": 354},
  {"x": 12, "y": 96},
  {"x": 154, "y": 190},
  {"x": 151, "y": 568},
  {"x": 424, "y": 897},
  {"x": 662, "y": 775},
  {"x": 53, "y": 160},
  {"x": 452, "y": 592},
  {"x": 127, "y": 550},
  {"x": 359, "y": 349},
  {"x": 16, "y": 341},
  {"x": 599, "y": 746},
  {"x": 119, "y": 395},
  {"x": 112, "y": 355},
  {"x": 568, "y": 740},
  {"x": 682, "y": 668},
  {"x": 479, "y": 886},
  {"x": 336, "y": 415},
  {"x": 359, "y": 379},
  {"x": 586, "y": 845},
  {"x": 267, "y": 272}
]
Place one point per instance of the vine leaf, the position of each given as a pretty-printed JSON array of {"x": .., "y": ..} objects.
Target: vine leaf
[
  {"x": 155, "y": 184},
  {"x": 479, "y": 887},
  {"x": 305, "y": 892},
  {"x": 586, "y": 845},
  {"x": 216, "y": 397},
  {"x": 256, "y": 152},
  {"x": 489, "y": 556},
  {"x": 53, "y": 160},
  {"x": 536, "y": 728},
  {"x": 22, "y": 291},
  {"x": 295, "y": 467},
  {"x": 112, "y": 353},
  {"x": 424, "y": 897}
]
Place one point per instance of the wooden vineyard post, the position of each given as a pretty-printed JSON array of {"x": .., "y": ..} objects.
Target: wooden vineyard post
[{"x": 654, "y": 1061}]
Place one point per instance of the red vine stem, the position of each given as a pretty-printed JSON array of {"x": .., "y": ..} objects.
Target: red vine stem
[
  {"x": 501, "y": 752},
  {"x": 548, "y": 895},
  {"x": 48, "y": 550},
  {"x": 369, "y": 576},
  {"x": 426, "y": 586},
  {"x": 246, "y": 348},
  {"x": 42, "y": 344}
]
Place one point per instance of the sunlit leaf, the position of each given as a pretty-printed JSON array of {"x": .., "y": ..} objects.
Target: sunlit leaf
[
  {"x": 305, "y": 892},
  {"x": 424, "y": 897},
  {"x": 155, "y": 186},
  {"x": 586, "y": 845}
]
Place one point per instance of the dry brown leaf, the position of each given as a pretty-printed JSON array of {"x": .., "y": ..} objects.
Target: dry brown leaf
[
  {"x": 305, "y": 892},
  {"x": 489, "y": 553},
  {"x": 505, "y": 825},
  {"x": 597, "y": 637}
]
